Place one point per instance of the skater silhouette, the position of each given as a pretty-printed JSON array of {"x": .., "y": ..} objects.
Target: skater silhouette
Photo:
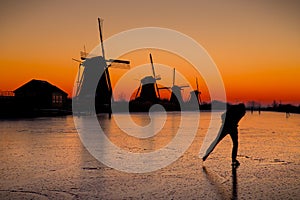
[{"x": 230, "y": 120}]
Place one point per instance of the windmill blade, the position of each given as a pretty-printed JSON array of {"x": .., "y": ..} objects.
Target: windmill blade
[
  {"x": 80, "y": 83},
  {"x": 100, "y": 23},
  {"x": 157, "y": 77},
  {"x": 137, "y": 92},
  {"x": 76, "y": 60},
  {"x": 119, "y": 66},
  {"x": 78, "y": 76},
  {"x": 154, "y": 76},
  {"x": 108, "y": 82},
  {"x": 119, "y": 61},
  {"x": 199, "y": 98},
  {"x": 197, "y": 84},
  {"x": 183, "y": 86},
  {"x": 157, "y": 90},
  {"x": 173, "y": 76},
  {"x": 153, "y": 70},
  {"x": 83, "y": 54},
  {"x": 106, "y": 71},
  {"x": 164, "y": 88}
]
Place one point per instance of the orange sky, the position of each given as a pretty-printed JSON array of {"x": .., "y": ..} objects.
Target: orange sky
[{"x": 255, "y": 45}]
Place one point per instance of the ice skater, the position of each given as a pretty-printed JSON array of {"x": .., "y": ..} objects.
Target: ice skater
[{"x": 230, "y": 120}]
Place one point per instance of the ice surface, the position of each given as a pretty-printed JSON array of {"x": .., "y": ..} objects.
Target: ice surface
[{"x": 43, "y": 158}]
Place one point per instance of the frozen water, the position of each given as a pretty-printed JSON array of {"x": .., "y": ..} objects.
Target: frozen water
[{"x": 44, "y": 158}]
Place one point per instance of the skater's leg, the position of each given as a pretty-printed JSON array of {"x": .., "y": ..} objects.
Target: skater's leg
[
  {"x": 222, "y": 133},
  {"x": 234, "y": 138}
]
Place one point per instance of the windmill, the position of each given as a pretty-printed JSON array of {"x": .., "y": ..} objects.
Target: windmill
[
  {"x": 148, "y": 90},
  {"x": 95, "y": 69},
  {"x": 176, "y": 96},
  {"x": 195, "y": 95}
]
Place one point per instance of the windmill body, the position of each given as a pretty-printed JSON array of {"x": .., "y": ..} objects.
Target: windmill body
[
  {"x": 148, "y": 91},
  {"x": 93, "y": 72},
  {"x": 176, "y": 96},
  {"x": 195, "y": 96}
]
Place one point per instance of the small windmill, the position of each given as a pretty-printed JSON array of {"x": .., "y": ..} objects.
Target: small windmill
[
  {"x": 176, "y": 96},
  {"x": 195, "y": 95},
  {"x": 96, "y": 70},
  {"x": 148, "y": 90}
]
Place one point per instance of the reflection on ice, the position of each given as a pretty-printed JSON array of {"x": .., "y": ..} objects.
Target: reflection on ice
[{"x": 44, "y": 158}]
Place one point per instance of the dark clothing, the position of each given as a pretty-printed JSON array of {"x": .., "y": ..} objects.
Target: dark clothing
[{"x": 230, "y": 120}]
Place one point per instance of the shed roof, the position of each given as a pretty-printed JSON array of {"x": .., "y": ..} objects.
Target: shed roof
[{"x": 36, "y": 85}]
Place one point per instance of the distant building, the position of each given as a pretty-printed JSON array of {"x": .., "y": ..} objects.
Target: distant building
[
  {"x": 39, "y": 94},
  {"x": 4, "y": 94},
  {"x": 7, "y": 102}
]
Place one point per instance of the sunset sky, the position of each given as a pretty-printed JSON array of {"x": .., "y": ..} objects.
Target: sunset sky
[{"x": 255, "y": 44}]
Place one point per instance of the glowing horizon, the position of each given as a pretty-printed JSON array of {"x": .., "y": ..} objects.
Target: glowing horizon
[{"x": 254, "y": 44}]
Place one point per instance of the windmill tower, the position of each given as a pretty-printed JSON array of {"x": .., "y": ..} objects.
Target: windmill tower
[
  {"x": 95, "y": 70},
  {"x": 195, "y": 95},
  {"x": 148, "y": 90}
]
